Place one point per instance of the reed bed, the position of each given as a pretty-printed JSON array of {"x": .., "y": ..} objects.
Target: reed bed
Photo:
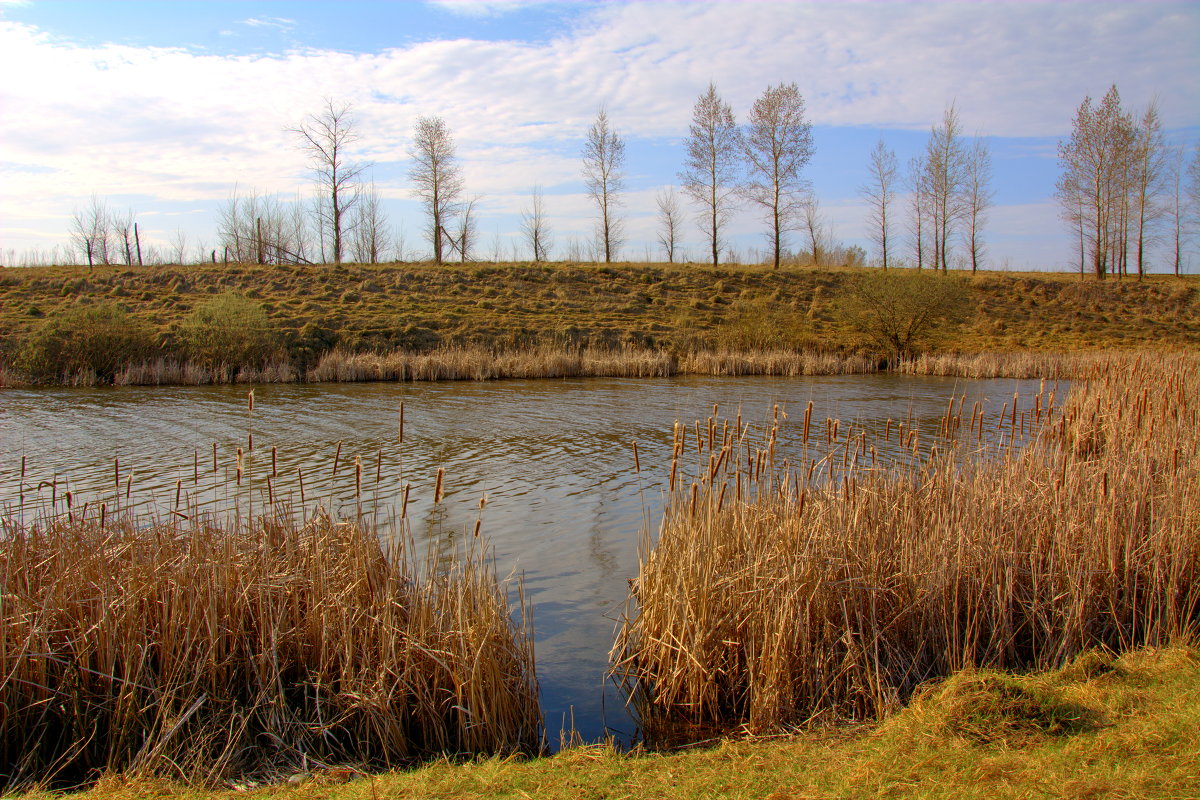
[
  {"x": 789, "y": 363},
  {"x": 200, "y": 652},
  {"x": 780, "y": 594},
  {"x": 1020, "y": 365},
  {"x": 169, "y": 372}
]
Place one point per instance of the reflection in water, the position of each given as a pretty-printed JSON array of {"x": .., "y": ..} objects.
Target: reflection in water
[{"x": 553, "y": 458}]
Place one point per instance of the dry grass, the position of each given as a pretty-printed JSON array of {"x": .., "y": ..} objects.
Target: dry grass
[
  {"x": 681, "y": 309},
  {"x": 779, "y": 593},
  {"x": 199, "y": 652}
]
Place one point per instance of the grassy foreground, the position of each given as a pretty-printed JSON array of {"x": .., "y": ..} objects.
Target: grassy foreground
[{"x": 1098, "y": 728}]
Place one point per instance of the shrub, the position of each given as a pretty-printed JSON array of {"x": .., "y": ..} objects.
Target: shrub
[
  {"x": 84, "y": 343},
  {"x": 228, "y": 329},
  {"x": 901, "y": 310}
]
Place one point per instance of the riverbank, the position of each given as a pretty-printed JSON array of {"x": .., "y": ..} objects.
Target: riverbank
[
  {"x": 252, "y": 323},
  {"x": 1099, "y": 727}
]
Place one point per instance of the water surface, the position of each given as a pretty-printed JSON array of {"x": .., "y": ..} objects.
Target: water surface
[{"x": 552, "y": 457}]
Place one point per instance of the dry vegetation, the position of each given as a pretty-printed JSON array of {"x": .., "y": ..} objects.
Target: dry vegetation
[
  {"x": 680, "y": 310},
  {"x": 199, "y": 652},
  {"x": 780, "y": 593}
]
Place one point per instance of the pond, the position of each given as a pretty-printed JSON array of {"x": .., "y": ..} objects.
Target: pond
[{"x": 553, "y": 458}]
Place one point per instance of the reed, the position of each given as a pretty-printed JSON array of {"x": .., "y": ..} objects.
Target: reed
[
  {"x": 197, "y": 652},
  {"x": 778, "y": 594}
]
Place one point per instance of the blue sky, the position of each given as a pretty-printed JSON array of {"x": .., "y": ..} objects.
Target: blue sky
[{"x": 165, "y": 108}]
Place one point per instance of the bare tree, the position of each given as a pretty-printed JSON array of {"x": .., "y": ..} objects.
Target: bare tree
[
  {"x": 178, "y": 246},
  {"x": 815, "y": 231},
  {"x": 977, "y": 196},
  {"x": 90, "y": 231},
  {"x": 325, "y": 137},
  {"x": 603, "y": 174},
  {"x": 468, "y": 226},
  {"x": 880, "y": 193},
  {"x": 437, "y": 178},
  {"x": 1090, "y": 189},
  {"x": 778, "y": 145},
  {"x": 1149, "y": 175},
  {"x": 918, "y": 208},
  {"x": 945, "y": 165},
  {"x": 122, "y": 225},
  {"x": 714, "y": 148},
  {"x": 1178, "y": 204},
  {"x": 670, "y": 218},
  {"x": 369, "y": 238},
  {"x": 535, "y": 228}
]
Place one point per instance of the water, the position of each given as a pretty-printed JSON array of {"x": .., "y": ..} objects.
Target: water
[{"x": 552, "y": 457}]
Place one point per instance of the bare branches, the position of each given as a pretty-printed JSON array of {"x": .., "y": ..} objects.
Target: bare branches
[
  {"x": 437, "y": 178},
  {"x": 711, "y": 171},
  {"x": 603, "y": 173},
  {"x": 670, "y": 218},
  {"x": 977, "y": 196},
  {"x": 536, "y": 229},
  {"x": 90, "y": 231},
  {"x": 880, "y": 192},
  {"x": 325, "y": 137},
  {"x": 778, "y": 145}
]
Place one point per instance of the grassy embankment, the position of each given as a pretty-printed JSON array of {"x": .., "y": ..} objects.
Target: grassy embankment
[{"x": 658, "y": 318}]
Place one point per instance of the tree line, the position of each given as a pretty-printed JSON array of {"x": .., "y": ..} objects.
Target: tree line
[{"x": 1121, "y": 189}]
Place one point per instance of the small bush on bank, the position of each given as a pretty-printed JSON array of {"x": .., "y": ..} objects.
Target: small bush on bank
[
  {"x": 228, "y": 329},
  {"x": 85, "y": 344}
]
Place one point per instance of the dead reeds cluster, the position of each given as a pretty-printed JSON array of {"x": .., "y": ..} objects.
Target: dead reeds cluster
[
  {"x": 197, "y": 652},
  {"x": 778, "y": 593}
]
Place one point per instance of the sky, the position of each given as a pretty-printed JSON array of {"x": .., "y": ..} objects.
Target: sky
[{"x": 168, "y": 108}]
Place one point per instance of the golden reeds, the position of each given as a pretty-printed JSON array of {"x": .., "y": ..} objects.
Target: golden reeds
[
  {"x": 197, "y": 652},
  {"x": 833, "y": 588}
]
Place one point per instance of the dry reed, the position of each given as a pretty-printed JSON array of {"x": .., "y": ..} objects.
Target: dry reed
[
  {"x": 777, "y": 594},
  {"x": 200, "y": 652}
]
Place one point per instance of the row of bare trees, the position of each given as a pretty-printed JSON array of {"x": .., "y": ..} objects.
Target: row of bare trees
[
  {"x": 948, "y": 192},
  {"x": 1121, "y": 187}
]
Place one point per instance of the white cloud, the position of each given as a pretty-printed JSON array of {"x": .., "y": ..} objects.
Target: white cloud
[
  {"x": 175, "y": 124},
  {"x": 280, "y": 23},
  {"x": 481, "y": 8}
]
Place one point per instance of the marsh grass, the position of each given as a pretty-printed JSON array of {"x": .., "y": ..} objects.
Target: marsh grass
[
  {"x": 199, "y": 651},
  {"x": 779, "y": 594}
]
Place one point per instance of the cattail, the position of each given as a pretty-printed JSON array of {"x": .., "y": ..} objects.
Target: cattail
[
  {"x": 336, "y": 458},
  {"x": 274, "y": 463},
  {"x": 400, "y": 427},
  {"x": 214, "y": 457},
  {"x": 357, "y": 477},
  {"x": 178, "y": 491},
  {"x": 300, "y": 477},
  {"x": 637, "y": 466},
  {"x": 437, "y": 489},
  {"x": 239, "y": 466},
  {"x": 404, "y": 504}
]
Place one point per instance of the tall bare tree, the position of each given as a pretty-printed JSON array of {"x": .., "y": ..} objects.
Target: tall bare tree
[
  {"x": 468, "y": 225},
  {"x": 977, "y": 197},
  {"x": 1090, "y": 187},
  {"x": 437, "y": 178},
  {"x": 536, "y": 228},
  {"x": 670, "y": 220},
  {"x": 325, "y": 137},
  {"x": 1149, "y": 168},
  {"x": 919, "y": 203},
  {"x": 945, "y": 165},
  {"x": 1177, "y": 207},
  {"x": 711, "y": 170},
  {"x": 880, "y": 194},
  {"x": 778, "y": 145},
  {"x": 604, "y": 175}
]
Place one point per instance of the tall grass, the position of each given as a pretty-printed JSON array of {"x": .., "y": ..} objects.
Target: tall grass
[
  {"x": 781, "y": 593},
  {"x": 198, "y": 652}
]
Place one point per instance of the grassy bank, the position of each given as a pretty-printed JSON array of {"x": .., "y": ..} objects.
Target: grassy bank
[
  {"x": 202, "y": 652},
  {"x": 777, "y": 594},
  {"x": 1100, "y": 727},
  {"x": 216, "y": 323}
]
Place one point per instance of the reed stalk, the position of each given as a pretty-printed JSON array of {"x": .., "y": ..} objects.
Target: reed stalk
[{"x": 833, "y": 590}]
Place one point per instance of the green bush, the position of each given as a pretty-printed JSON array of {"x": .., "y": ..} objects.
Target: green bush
[
  {"x": 228, "y": 330},
  {"x": 97, "y": 339},
  {"x": 901, "y": 310}
]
